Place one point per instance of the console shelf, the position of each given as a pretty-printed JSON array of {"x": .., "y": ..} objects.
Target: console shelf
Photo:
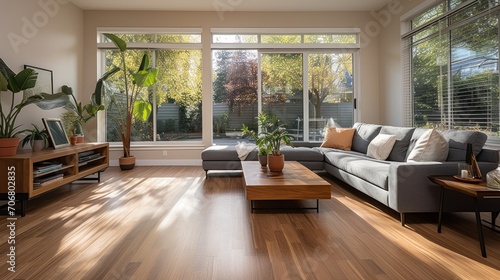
[{"x": 22, "y": 166}]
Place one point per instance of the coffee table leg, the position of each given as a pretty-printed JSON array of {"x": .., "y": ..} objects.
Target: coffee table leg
[
  {"x": 317, "y": 205},
  {"x": 441, "y": 199},
  {"x": 480, "y": 229}
]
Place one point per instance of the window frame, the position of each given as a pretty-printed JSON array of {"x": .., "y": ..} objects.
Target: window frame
[
  {"x": 406, "y": 45},
  {"x": 303, "y": 48},
  {"x": 102, "y": 46}
]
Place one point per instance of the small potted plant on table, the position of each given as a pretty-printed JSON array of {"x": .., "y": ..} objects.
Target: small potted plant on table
[
  {"x": 36, "y": 137},
  {"x": 269, "y": 140}
]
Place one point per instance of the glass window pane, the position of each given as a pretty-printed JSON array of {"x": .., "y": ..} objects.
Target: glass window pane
[
  {"x": 234, "y": 94},
  {"x": 235, "y": 39},
  {"x": 428, "y": 15},
  {"x": 474, "y": 66},
  {"x": 330, "y": 92},
  {"x": 330, "y": 38},
  {"x": 157, "y": 38},
  {"x": 281, "y": 39},
  {"x": 178, "y": 95},
  {"x": 282, "y": 91},
  {"x": 429, "y": 68}
]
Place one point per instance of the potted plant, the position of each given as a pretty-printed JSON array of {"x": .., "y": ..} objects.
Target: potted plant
[
  {"x": 275, "y": 138},
  {"x": 79, "y": 114},
  {"x": 134, "y": 106},
  {"x": 264, "y": 122},
  {"x": 269, "y": 140},
  {"x": 15, "y": 83},
  {"x": 36, "y": 137}
]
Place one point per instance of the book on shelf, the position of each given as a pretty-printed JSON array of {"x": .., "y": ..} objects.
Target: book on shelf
[
  {"x": 46, "y": 166},
  {"x": 88, "y": 157},
  {"x": 47, "y": 178},
  {"x": 44, "y": 183}
]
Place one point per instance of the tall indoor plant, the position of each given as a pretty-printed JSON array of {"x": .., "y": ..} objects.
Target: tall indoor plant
[
  {"x": 134, "y": 107},
  {"x": 16, "y": 83}
]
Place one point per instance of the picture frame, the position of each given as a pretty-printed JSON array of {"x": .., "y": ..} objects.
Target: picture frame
[
  {"x": 55, "y": 128},
  {"x": 44, "y": 82}
]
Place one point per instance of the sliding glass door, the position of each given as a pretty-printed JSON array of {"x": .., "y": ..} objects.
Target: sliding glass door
[
  {"x": 281, "y": 91},
  {"x": 306, "y": 90}
]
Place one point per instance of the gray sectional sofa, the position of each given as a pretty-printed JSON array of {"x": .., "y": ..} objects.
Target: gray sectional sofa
[{"x": 401, "y": 185}]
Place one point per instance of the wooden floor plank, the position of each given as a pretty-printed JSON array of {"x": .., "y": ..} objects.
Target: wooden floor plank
[{"x": 173, "y": 223}]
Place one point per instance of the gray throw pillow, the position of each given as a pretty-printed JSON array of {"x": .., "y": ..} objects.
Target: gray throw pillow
[
  {"x": 363, "y": 135},
  {"x": 403, "y": 136},
  {"x": 458, "y": 139}
]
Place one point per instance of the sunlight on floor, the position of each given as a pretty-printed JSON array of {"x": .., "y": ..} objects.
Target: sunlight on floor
[{"x": 185, "y": 206}]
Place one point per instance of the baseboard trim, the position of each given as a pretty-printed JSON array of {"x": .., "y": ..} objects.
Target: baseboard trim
[{"x": 180, "y": 162}]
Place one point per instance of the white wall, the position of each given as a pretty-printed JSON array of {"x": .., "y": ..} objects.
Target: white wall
[
  {"x": 367, "y": 72},
  {"x": 390, "y": 67},
  {"x": 46, "y": 34}
]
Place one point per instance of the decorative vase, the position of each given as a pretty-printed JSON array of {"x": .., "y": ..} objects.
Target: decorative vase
[
  {"x": 276, "y": 163},
  {"x": 8, "y": 146},
  {"x": 38, "y": 145},
  {"x": 72, "y": 140},
  {"x": 263, "y": 160},
  {"x": 493, "y": 178},
  {"x": 127, "y": 163}
]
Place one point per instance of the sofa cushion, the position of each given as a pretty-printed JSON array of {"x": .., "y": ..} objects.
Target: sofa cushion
[
  {"x": 458, "y": 139},
  {"x": 431, "y": 146},
  {"x": 403, "y": 136},
  {"x": 381, "y": 146},
  {"x": 301, "y": 154},
  {"x": 338, "y": 138},
  {"x": 371, "y": 170},
  {"x": 363, "y": 135},
  {"x": 224, "y": 153}
]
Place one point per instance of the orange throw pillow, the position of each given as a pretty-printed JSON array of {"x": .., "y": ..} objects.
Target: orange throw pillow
[{"x": 338, "y": 138}]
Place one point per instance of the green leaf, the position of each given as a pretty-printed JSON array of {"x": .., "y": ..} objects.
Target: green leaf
[
  {"x": 117, "y": 41},
  {"x": 142, "y": 110},
  {"x": 100, "y": 85},
  {"x": 25, "y": 79},
  {"x": 144, "y": 62},
  {"x": 3, "y": 83},
  {"x": 52, "y": 101},
  {"x": 145, "y": 78}
]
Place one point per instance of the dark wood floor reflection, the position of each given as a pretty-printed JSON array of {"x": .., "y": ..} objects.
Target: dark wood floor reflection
[{"x": 173, "y": 223}]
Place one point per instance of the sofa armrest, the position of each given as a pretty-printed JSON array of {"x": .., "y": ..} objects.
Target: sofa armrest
[{"x": 410, "y": 189}]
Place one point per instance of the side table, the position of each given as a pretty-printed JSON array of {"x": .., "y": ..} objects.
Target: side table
[{"x": 476, "y": 191}]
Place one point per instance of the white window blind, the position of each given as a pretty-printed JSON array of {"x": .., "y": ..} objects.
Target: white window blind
[{"x": 450, "y": 67}]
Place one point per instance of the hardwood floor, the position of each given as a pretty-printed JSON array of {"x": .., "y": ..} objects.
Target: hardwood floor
[{"x": 173, "y": 223}]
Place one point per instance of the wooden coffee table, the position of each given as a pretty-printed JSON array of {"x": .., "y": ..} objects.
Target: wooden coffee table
[
  {"x": 296, "y": 182},
  {"x": 476, "y": 191}
]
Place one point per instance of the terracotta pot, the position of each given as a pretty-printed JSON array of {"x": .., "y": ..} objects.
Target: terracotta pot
[
  {"x": 263, "y": 160},
  {"x": 79, "y": 139},
  {"x": 276, "y": 163},
  {"x": 38, "y": 145},
  {"x": 8, "y": 146},
  {"x": 72, "y": 139},
  {"x": 127, "y": 163}
]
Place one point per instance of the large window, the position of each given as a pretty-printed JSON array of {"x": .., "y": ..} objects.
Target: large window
[
  {"x": 176, "y": 97},
  {"x": 306, "y": 80},
  {"x": 451, "y": 62}
]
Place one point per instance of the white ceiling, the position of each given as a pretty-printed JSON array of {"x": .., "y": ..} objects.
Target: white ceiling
[{"x": 233, "y": 5}]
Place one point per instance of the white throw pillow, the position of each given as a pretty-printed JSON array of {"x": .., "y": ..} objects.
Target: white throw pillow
[
  {"x": 431, "y": 146},
  {"x": 381, "y": 146}
]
